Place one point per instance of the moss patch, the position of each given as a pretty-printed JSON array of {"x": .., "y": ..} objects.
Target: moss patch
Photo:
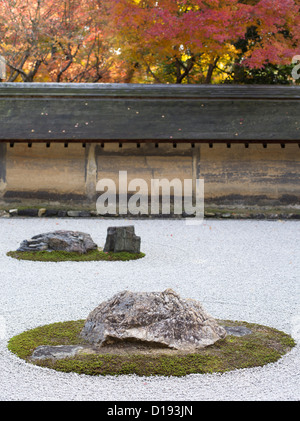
[
  {"x": 264, "y": 345},
  {"x": 64, "y": 256}
]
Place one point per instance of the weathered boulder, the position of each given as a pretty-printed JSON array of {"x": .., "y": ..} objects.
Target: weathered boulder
[
  {"x": 120, "y": 239},
  {"x": 162, "y": 318},
  {"x": 71, "y": 241}
]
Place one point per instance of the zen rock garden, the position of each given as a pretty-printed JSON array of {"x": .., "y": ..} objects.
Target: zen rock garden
[{"x": 144, "y": 333}]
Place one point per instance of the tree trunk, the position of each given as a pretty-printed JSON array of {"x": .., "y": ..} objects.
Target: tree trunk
[
  {"x": 210, "y": 71},
  {"x": 130, "y": 73}
]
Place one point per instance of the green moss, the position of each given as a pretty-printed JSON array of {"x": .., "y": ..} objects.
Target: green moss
[
  {"x": 262, "y": 346},
  {"x": 61, "y": 333},
  {"x": 64, "y": 256}
]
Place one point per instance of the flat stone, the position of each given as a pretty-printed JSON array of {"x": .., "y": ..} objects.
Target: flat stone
[
  {"x": 209, "y": 214},
  {"x": 120, "y": 239},
  {"x": 241, "y": 216},
  {"x": 237, "y": 330},
  {"x": 161, "y": 318},
  {"x": 70, "y": 241},
  {"x": 55, "y": 352},
  {"x": 226, "y": 215}
]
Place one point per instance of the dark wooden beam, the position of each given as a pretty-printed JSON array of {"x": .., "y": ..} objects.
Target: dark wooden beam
[
  {"x": 138, "y": 142},
  {"x": 38, "y": 112}
]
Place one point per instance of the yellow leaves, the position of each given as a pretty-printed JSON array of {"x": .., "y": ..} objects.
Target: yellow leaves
[{"x": 185, "y": 57}]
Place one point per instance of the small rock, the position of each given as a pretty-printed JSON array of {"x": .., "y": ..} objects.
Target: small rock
[
  {"x": 51, "y": 212},
  {"x": 41, "y": 212},
  {"x": 273, "y": 216},
  {"x": 4, "y": 214},
  {"x": 285, "y": 216},
  {"x": 241, "y": 216},
  {"x": 94, "y": 213},
  {"x": 259, "y": 216},
  {"x": 85, "y": 214},
  {"x": 184, "y": 215},
  {"x": 62, "y": 214},
  {"x": 209, "y": 214},
  {"x": 28, "y": 212},
  {"x": 226, "y": 215},
  {"x": 79, "y": 214},
  {"x": 13, "y": 212}
]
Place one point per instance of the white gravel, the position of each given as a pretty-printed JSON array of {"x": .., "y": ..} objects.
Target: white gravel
[{"x": 239, "y": 270}]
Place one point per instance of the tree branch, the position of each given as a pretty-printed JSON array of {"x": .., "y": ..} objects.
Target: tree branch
[
  {"x": 70, "y": 57},
  {"x": 157, "y": 80},
  {"x": 190, "y": 64}
]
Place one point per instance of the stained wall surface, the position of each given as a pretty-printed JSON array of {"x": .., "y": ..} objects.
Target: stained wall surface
[{"x": 253, "y": 175}]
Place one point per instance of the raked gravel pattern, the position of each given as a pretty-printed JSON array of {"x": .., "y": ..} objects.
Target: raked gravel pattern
[{"x": 238, "y": 270}]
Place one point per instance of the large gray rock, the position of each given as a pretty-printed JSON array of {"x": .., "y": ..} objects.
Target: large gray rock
[
  {"x": 120, "y": 239},
  {"x": 71, "y": 241},
  {"x": 153, "y": 317}
]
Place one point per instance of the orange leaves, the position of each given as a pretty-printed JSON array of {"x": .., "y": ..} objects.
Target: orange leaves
[
  {"x": 169, "y": 28},
  {"x": 55, "y": 40},
  {"x": 77, "y": 40}
]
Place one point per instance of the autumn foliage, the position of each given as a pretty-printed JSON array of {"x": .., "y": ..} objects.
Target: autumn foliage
[
  {"x": 176, "y": 41},
  {"x": 200, "y": 34},
  {"x": 53, "y": 40}
]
